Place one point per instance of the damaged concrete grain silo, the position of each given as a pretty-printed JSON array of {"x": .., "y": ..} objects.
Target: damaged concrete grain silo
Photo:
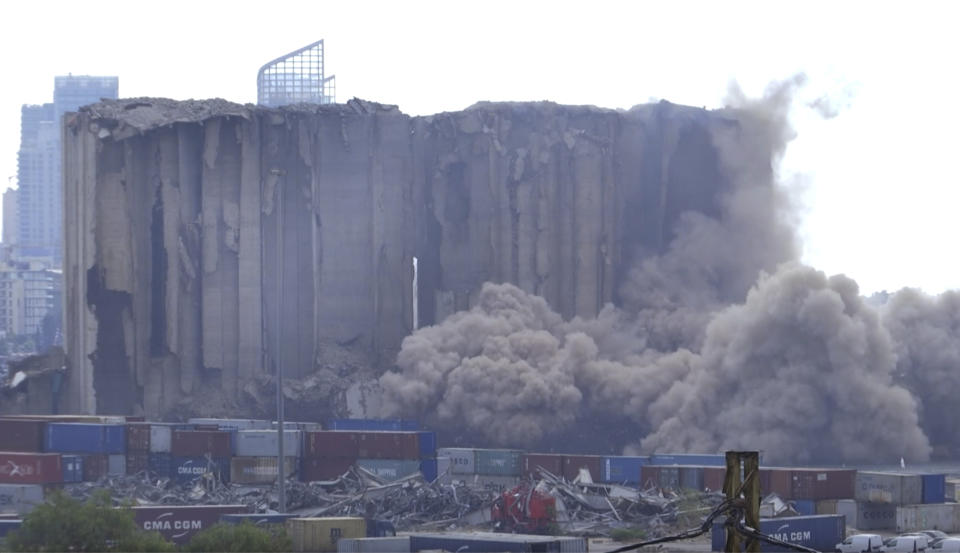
[{"x": 170, "y": 234}]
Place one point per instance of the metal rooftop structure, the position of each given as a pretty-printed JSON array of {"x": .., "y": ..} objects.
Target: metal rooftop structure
[{"x": 296, "y": 78}]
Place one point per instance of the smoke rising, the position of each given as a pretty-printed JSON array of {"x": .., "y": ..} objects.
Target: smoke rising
[{"x": 723, "y": 341}]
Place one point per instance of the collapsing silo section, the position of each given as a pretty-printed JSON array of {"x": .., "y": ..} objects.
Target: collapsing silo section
[{"x": 171, "y": 241}]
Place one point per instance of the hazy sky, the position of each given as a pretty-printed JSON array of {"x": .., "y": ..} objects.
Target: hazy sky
[{"x": 878, "y": 183}]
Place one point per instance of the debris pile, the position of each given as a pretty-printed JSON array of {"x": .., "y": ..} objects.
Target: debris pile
[{"x": 582, "y": 507}]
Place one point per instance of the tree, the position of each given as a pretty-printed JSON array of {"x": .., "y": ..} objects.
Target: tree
[
  {"x": 65, "y": 524},
  {"x": 240, "y": 538}
]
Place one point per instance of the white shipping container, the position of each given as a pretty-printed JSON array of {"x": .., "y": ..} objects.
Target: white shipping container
[
  {"x": 462, "y": 459},
  {"x": 20, "y": 498},
  {"x": 443, "y": 467},
  {"x": 116, "y": 465},
  {"x": 237, "y": 424},
  {"x": 160, "y": 436},
  {"x": 393, "y": 544},
  {"x": 889, "y": 487},
  {"x": 868, "y": 516},
  {"x": 932, "y": 516},
  {"x": 389, "y": 469},
  {"x": 263, "y": 443}
]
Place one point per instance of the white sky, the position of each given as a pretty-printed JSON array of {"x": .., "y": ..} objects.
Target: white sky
[{"x": 881, "y": 180}]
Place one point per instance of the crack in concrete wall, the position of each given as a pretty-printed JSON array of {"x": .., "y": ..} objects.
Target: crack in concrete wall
[{"x": 171, "y": 228}]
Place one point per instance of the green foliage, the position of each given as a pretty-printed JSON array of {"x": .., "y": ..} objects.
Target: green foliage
[
  {"x": 628, "y": 534},
  {"x": 65, "y": 524},
  {"x": 240, "y": 538}
]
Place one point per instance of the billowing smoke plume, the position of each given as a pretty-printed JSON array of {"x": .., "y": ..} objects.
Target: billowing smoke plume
[
  {"x": 699, "y": 356},
  {"x": 926, "y": 334}
]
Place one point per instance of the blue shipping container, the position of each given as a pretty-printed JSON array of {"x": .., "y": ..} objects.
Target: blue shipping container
[
  {"x": 259, "y": 519},
  {"x": 72, "y": 468},
  {"x": 186, "y": 469},
  {"x": 7, "y": 526},
  {"x": 934, "y": 488},
  {"x": 114, "y": 439},
  {"x": 160, "y": 464},
  {"x": 822, "y": 532},
  {"x": 374, "y": 425},
  {"x": 805, "y": 507},
  {"x": 623, "y": 470},
  {"x": 73, "y": 437},
  {"x": 689, "y": 460},
  {"x": 428, "y": 444},
  {"x": 428, "y": 468}
]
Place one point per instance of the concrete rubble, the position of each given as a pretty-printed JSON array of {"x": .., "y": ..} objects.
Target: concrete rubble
[
  {"x": 171, "y": 211},
  {"x": 412, "y": 503}
]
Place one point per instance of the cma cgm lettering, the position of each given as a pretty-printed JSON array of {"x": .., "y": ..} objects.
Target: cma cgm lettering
[
  {"x": 794, "y": 537},
  {"x": 179, "y": 523},
  {"x": 172, "y": 525}
]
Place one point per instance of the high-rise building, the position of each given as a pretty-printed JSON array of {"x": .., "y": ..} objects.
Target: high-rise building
[
  {"x": 296, "y": 78},
  {"x": 39, "y": 209},
  {"x": 28, "y": 293}
]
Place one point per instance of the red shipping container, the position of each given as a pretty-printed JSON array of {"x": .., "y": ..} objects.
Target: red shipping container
[
  {"x": 137, "y": 461},
  {"x": 95, "y": 467},
  {"x": 330, "y": 444},
  {"x": 713, "y": 478},
  {"x": 30, "y": 468},
  {"x": 551, "y": 462},
  {"x": 388, "y": 445},
  {"x": 819, "y": 484},
  {"x": 573, "y": 463},
  {"x": 178, "y": 523},
  {"x": 649, "y": 477},
  {"x": 138, "y": 437},
  {"x": 324, "y": 468},
  {"x": 22, "y": 435},
  {"x": 197, "y": 443}
]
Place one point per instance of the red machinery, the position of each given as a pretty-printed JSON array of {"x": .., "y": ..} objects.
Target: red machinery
[{"x": 524, "y": 510}]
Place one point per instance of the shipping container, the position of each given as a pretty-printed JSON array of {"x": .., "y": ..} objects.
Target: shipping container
[
  {"x": 428, "y": 444},
  {"x": 30, "y": 468},
  {"x": 670, "y": 478},
  {"x": 572, "y": 464},
  {"x": 623, "y": 470},
  {"x": 160, "y": 464},
  {"x": 137, "y": 461},
  {"x": 160, "y": 437},
  {"x": 178, "y": 523},
  {"x": 388, "y": 445},
  {"x": 462, "y": 460},
  {"x": 691, "y": 459},
  {"x": 322, "y": 534},
  {"x": 804, "y": 507},
  {"x": 889, "y": 487},
  {"x": 232, "y": 424},
  {"x": 713, "y": 478},
  {"x": 190, "y": 468},
  {"x": 95, "y": 439},
  {"x": 259, "y": 470},
  {"x": 392, "y": 544},
  {"x": 428, "y": 468},
  {"x": 691, "y": 478},
  {"x": 550, "y": 462},
  {"x": 649, "y": 476},
  {"x": 952, "y": 489},
  {"x": 138, "y": 436},
  {"x": 195, "y": 443},
  {"x": 259, "y": 519},
  {"x": 829, "y": 507},
  {"x": 820, "y": 532},
  {"x": 318, "y": 469},
  {"x": 374, "y": 425},
  {"x": 116, "y": 465},
  {"x": 498, "y": 462},
  {"x": 72, "y": 467},
  {"x": 25, "y": 435},
  {"x": 914, "y": 518},
  {"x": 9, "y": 525},
  {"x": 868, "y": 516},
  {"x": 486, "y": 480},
  {"x": 389, "y": 469},
  {"x": 489, "y": 542},
  {"x": 934, "y": 488},
  {"x": 20, "y": 498},
  {"x": 330, "y": 444},
  {"x": 298, "y": 425},
  {"x": 95, "y": 467},
  {"x": 804, "y": 483},
  {"x": 263, "y": 443}
]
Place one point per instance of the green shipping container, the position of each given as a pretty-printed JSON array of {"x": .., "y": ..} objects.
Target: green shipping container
[{"x": 498, "y": 462}]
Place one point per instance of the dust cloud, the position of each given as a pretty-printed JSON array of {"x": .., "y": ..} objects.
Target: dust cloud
[{"x": 724, "y": 341}]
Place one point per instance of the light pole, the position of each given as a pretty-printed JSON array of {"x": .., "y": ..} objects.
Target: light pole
[{"x": 281, "y": 475}]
